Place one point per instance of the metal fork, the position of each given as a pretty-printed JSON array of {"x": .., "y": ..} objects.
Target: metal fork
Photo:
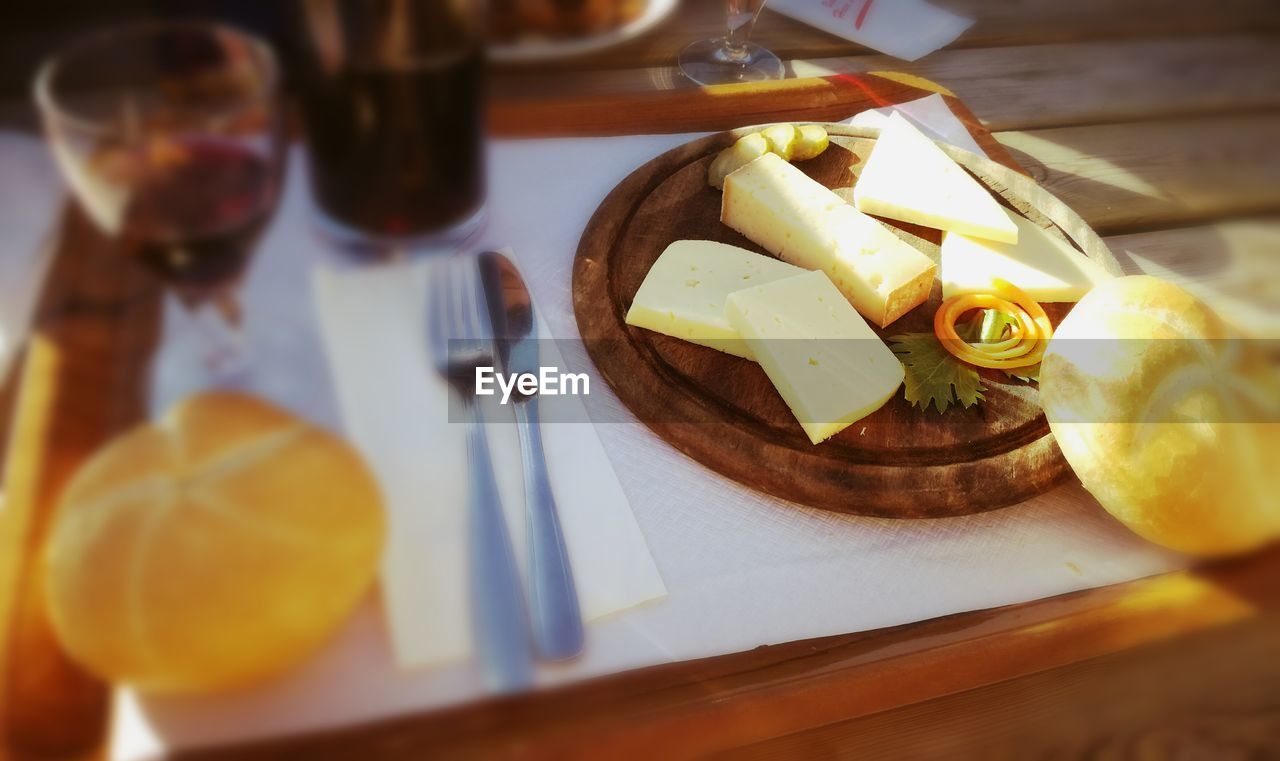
[{"x": 461, "y": 339}]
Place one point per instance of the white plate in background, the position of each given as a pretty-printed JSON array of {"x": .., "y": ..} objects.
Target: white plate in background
[{"x": 535, "y": 50}]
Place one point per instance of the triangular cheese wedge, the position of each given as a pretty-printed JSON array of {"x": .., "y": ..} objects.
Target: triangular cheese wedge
[
  {"x": 1045, "y": 266},
  {"x": 910, "y": 179}
]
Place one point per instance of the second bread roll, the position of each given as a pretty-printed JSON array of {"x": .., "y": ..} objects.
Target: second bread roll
[{"x": 1168, "y": 420}]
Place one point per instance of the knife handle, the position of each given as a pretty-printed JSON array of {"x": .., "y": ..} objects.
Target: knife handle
[
  {"x": 557, "y": 618},
  {"x": 497, "y": 600}
]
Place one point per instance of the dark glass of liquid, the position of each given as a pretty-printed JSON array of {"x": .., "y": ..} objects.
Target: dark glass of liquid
[
  {"x": 392, "y": 99},
  {"x": 195, "y": 215}
]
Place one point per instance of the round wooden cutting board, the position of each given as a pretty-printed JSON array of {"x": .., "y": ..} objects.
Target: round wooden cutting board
[{"x": 722, "y": 411}]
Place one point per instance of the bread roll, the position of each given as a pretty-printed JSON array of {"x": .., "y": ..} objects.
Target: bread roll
[
  {"x": 1166, "y": 418},
  {"x": 212, "y": 549}
]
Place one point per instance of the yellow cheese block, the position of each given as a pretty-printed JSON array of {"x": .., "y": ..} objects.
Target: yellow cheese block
[
  {"x": 827, "y": 364},
  {"x": 1046, "y": 267},
  {"x": 791, "y": 215},
  {"x": 910, "y": 179},
  {"x": 684, "y": 292}
]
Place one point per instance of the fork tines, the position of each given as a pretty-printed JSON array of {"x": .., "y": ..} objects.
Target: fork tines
[{"x": 460, "y": 329}]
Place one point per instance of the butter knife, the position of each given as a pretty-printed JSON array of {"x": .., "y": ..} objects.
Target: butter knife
[{"x": 557, "y": 617}]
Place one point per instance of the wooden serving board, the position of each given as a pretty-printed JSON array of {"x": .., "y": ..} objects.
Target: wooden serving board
[{"x": 721, "y": 410}]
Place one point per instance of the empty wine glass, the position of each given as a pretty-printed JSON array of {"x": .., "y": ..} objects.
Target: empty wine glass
[
  {"x": 732, "y": 58},
  {"x": 170, "y": 135}
]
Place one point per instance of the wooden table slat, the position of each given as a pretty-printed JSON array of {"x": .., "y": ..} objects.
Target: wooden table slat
[
  {"x": 716, "y": 704},
  {"x": 1170, "y": 700},
  {"x": 84, "y": 380},
  {"x": 1144, "y": 175},
  {"x": 1122, "y": 177},
  {"x": 1010, "y": 88},
  {"x": 1011, "y": 22},
  {"x": 1218, "y": 254}
]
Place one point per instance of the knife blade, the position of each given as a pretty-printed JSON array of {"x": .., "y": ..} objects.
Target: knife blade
[{"x": 556, "y": 614}]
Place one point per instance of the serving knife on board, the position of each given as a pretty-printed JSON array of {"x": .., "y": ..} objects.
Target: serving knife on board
[{"x": 557, "y": 617}]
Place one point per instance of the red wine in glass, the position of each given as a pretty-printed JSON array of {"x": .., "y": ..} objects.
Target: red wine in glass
[
  {"x": 196, "y": 211},
  {"x": 171, "y": 136}
]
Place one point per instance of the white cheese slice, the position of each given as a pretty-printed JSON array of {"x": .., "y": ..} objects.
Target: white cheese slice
[
  {"x": 684, "y": 292},
  {"x": 1046, "y": 267},
  {"x": 792, "y": 215},
  {"x": 827, "y": 364},
  {"x": 910, "y": 179}
]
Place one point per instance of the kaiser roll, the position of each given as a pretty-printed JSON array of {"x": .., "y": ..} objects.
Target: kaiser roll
[
  {"x": 1168, "y": 420},
  {"x": 212, "y": 549}
]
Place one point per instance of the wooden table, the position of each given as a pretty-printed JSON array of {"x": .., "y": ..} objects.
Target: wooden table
[{"x": 1157, "y": 120}]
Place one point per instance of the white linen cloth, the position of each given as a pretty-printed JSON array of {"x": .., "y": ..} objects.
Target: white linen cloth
[
  {"x": 906, "y": 29},
  {"x": 32, "y": 202},
  {"x": 742, "y": 569}
]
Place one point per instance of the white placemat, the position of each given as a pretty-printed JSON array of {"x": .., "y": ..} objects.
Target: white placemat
[
  {"x": 32, "y": 202},
  {"x": 741, "y": 569}
]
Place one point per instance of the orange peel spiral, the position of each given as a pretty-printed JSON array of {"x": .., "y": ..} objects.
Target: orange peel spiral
[{"x": 1028, "y": 336}]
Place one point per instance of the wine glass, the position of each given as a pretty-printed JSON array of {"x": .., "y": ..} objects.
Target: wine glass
[
  {"x": 732, "y": 58},
  {"x": 171, "y": 137}
]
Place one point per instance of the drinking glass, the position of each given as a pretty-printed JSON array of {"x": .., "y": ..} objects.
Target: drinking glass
[
  {"x": 169, "y": 134},
  {"x": 732, "y": 58},
  {"x": 392, "y": 95}
]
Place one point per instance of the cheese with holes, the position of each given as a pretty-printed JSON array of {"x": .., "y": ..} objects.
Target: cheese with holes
[
  {"x": 827, "y": 364},
  {"x": 684, "y": 293},
  {"x": 1044, "y": 265},
  {"x": 910, "y": 179},
  {"x": 781, "y": 208}
]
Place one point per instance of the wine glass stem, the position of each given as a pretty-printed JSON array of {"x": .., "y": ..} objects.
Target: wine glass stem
[
  {"x": 741, "y": 18},
  {"x": 220, "y": 323}
]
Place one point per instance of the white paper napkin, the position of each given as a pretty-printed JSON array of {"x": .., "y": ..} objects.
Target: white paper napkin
[
  {"x": 907, "y": 29},
  {"x": 395, "y": 409},
  {"x": 931, "y": 115}
]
